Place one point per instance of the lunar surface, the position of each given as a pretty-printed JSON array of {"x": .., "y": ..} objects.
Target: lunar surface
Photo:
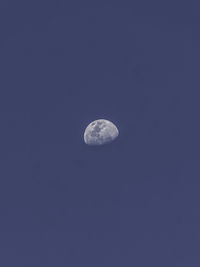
[{"x": 100, "y": 132}]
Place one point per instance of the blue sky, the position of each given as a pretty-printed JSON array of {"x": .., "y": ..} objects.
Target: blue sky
[{"x": 134, "y": 202}]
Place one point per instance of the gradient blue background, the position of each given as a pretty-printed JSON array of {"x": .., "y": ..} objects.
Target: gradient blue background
[{"x": 135, "y": 202}]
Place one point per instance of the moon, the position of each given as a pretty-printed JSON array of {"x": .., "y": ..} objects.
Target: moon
[{"x": 100, "y": 132}]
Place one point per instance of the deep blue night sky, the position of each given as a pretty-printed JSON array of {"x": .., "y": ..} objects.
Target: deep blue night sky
[{"x": 134, "y": 202}]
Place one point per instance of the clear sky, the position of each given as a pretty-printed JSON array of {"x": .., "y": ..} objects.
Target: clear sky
[{"x": 134, "y": 202}]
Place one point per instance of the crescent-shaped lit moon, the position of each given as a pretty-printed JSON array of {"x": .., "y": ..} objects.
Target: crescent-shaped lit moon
[{"x": 100, "y": 132}]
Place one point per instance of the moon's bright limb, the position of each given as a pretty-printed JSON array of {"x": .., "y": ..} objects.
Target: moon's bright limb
[{"x": 100, "y": 132}]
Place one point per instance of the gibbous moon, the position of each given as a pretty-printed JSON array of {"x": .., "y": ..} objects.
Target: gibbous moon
[{"x": 100, "y": 132}]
